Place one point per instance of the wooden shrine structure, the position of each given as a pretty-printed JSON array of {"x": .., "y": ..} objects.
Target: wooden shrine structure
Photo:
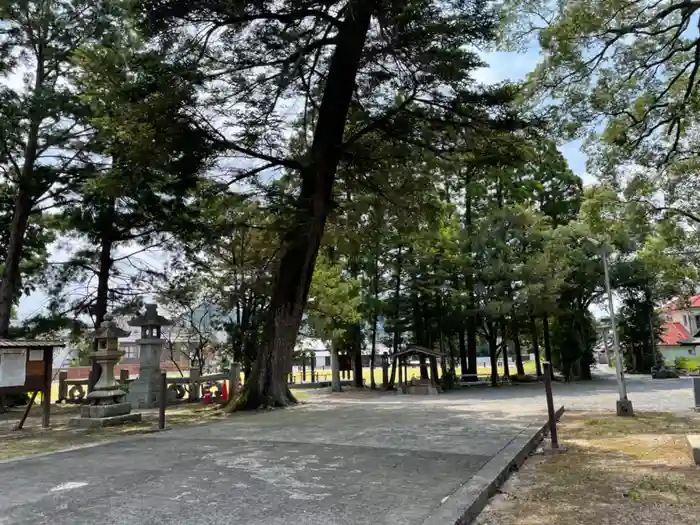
[{"x": 27, "y": 366}]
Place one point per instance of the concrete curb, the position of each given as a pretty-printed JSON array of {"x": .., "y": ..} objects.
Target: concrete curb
[
  {"x": 694, "y": 442},
  {"x": 465, "y": 504}
]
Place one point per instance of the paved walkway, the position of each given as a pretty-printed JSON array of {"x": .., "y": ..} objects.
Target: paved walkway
[
  {"x": 353, "y": 459},
  {"x": 322, "y": 464},
  {"x": 647, "y": 394}
]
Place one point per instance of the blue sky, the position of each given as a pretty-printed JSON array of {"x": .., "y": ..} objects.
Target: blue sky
[
  {"x": 514, "y": 67},
  {"x": 503, "y": 66}
]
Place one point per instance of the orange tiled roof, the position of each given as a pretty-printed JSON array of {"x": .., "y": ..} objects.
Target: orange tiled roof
[{"x": 674, "y": 333}]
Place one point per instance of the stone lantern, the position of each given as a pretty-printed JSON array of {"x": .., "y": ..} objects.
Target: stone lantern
[
  {"x": 107, "y": 390},
  {"x": 145, "y": 390},
  {"x": 105, "y": 406}
]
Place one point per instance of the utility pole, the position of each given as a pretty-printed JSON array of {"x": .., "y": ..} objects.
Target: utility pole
[
  {"x": 605, "y": 345},
  {"x": 624, "y": 405}
]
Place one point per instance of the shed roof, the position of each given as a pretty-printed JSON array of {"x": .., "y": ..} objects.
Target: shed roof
[
  {"x": 30, "y": 343},
  {"x": 417, "y": 349},
  {"x": 677, "y": 334}
]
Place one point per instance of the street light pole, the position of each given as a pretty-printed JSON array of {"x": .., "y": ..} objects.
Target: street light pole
[{"x": 624, "y": 405}]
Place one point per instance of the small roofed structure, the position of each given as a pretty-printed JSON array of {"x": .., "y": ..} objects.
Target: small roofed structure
[
  {"x": 26, "y": 366},
  {"x": 417, "y": 386}
]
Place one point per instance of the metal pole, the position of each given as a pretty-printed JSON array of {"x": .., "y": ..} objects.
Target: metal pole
[
  {"x": 616, "y": 344},
  {"x": 550, "y": 404},
  {"x": 163, "y": 400},
  {"x": 605, "y": 346}
]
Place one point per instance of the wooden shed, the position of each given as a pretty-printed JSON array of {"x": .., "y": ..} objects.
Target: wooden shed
[{"x": 27, "y": 366}]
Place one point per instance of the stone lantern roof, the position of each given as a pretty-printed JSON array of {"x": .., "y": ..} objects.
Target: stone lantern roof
[
  {"x": 109, "y": 330},
  {"x": 150, "y": 318}
]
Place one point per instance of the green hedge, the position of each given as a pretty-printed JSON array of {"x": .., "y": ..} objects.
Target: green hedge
[{"x": 688, "y": 363}]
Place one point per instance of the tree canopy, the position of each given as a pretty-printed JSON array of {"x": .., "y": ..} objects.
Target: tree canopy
[{"x": 334, "y": 169}]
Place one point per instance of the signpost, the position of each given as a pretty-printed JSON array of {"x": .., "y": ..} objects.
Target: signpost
[{"x": 26, "y": 366}]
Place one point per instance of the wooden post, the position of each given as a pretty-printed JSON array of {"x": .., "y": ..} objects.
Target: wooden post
[
  {"x": 163, "y": 400},
  {"x": 313, "y": 367},
  {"x": 89, "y": 382},
  {"x": 19, "y": 425},
  {"x": 123, "y": 377},
  {"x": 550, "y": 404},
  {"x": 46, "y": 394},
  {"x": 303, "y": 368},
  {"x": 62, "y": 386}
]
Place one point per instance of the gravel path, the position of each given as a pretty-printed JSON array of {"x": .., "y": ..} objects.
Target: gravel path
[{"x": 646, "y": 394}]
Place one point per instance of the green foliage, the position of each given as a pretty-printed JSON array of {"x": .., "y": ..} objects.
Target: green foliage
[
  {"x": 43, "y": 130},
  {"x": 624, "y": 77},
  {"x": 149, "y": 158},
  {"x": 630, "y": 64},
  {"x": 38, "y": 238},
  {"x": 237, "y": 141},
  {"x": 639, "y": 329},
  {"x": 334, "y": 301},
  {"x": 687, "y": 363},
  {"x": 573, "y": 338}
]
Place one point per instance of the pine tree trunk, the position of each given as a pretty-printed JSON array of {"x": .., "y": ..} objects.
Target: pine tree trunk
[
  {"x": 22, "y": 205},
  {"x": 471, "y": 345},
  {"x": 392, "y": 375},
  {"x": 493, "y": 350},
  {"x": 103, "y": 273},
  {"x": 504, "y": 345},
  {"x": 535, "y": 345},
  {"x": 423, "y": 367},
  {"x": 10, "y": 272},
  {"x": 547, "y": 344},
  {"x": 463, "y": 351},
  {"x": 373, "y": 355},
  {"x": 520, "y": 369},
  {"x": 397, "y": 313},
  {"x": 268, "y": 381},
  {"x": 357, "y": 353},
  {"x": 471, "y": 366}
]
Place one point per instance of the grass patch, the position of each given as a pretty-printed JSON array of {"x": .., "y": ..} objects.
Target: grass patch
[{"x": 617, "y": 471}]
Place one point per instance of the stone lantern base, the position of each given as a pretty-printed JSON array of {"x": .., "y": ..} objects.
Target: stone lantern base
[{"x": 97, "y": 416}]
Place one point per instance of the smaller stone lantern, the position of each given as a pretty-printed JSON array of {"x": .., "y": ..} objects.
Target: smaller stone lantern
[
  {"x": 145, "y": 391},
  {"x": 105, "y": 406}
]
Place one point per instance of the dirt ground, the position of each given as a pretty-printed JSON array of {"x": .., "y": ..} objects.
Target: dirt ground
[
  {"x": 617, "y": 471},
  {"x": 32, "y": 439}
]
